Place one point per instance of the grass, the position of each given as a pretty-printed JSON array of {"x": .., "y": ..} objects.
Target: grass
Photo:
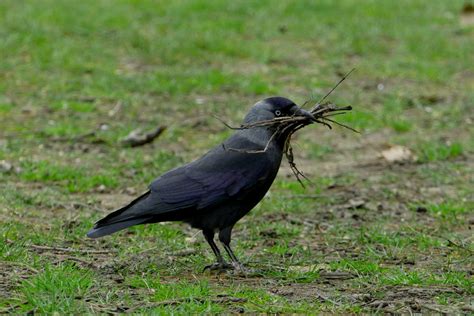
[
  {"x": 57, "y": 289},
  {"x": 434, "y": 151},
  {"x": 366, "y": 236}
]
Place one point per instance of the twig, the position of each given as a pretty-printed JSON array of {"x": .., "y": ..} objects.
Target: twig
[
  {"x": 226, "y": 125},
  {"x": 324, "y": 123},
  {"x": 134, "y": 139},
  {"x": 331, "y": 91},
  {"x": 340, "y": 124},
  {"x": 80, "y": 138},
  {"x": 290, "y": 157},
  {"x": 59, "y": 249},
  {"x": 219, "y": 300},
  {"x": 294, "y": 168},
  {"x": 288, "y": 125},
  {"x": 258, "y": 151},
  {"x": 431, "y": 308},
  {"x": 450, "y": 242},
  {"x": 85, "y": 262},
  {"x": 327, "y": 299},
  {"x": 336, "y": 275},
  {"x": 20, "y": 264}
]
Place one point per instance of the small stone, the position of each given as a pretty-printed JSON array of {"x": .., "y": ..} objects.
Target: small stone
[
  {"x": 199, "y": 101},
  {"x": 130, "y": 191},
  {"x": 5, "y": 166},
  {"x": 356, "y": 203},
  {"x": 104, "y": 127},
  {"x": 101, "y": 188}
]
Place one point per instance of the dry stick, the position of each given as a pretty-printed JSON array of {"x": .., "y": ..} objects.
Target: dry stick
[
  {"x": 431, "y": 308},
  {"x": 333, "y": 114},
  {"x": 288, "y": 148},
  {"x": 226, "y": 125},
  {"x": 20, "y": 265},
  {"x": 87, "y": 251},
  {"x": 327, "y": 299},
  {"x": 320, "y": 112},
  {"x": 74, "y": 138},
  {"x": 457, "y": 245},
  {"x": 274, "y": 121},
  {"x": 260, "y": 151},
  {"x": 85, "y": 262},
  {"x": 331, "y": 91},
  {"x": 341, "y": 124},
  {"x": 140, "y": 140},
  {"x": 293, "y": 167},
  {"x": 290, "y": 158},
  {"x": 220, "y": 300},
  {"x": 324, "y": 123}
]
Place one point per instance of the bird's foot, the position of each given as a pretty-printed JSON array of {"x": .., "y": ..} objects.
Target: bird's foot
[
  {"x": 219, "y": 267},
  {"x": 240, "y": 269}
]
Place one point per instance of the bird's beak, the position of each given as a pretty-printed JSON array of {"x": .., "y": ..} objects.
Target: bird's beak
[{"x": 304, "y": 113}]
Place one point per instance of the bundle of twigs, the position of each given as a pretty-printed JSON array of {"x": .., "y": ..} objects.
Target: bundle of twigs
[{"x": 322, "y": 112}]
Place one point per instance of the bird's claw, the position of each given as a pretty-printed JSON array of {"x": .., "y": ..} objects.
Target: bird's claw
[
  {"x": 239, "y": 268},
  {"x": 219, "y": 267}
]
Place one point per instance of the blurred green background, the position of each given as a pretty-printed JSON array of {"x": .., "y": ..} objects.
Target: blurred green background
[{"x": 77, "y": 76}]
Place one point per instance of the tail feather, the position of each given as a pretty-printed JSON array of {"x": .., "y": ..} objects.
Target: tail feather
[
  {"x": 112, "y": 228},
  {"x": 120, "y": 219}
]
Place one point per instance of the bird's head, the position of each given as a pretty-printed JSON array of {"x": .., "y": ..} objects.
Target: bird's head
[
  {"x": 275, "y": 107},
  {"x": 278, "y": 107}
]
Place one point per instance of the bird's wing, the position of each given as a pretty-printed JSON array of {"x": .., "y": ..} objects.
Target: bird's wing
[
  {"x": 215, "y": 178},
  {"x": 188, "y": 189},
  {"x": 198, "y": 187}
]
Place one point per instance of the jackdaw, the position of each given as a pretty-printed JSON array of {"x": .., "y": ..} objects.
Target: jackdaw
[{"x": 213, "y": 192}]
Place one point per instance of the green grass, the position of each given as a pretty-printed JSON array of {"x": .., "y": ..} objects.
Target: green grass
[
  {"x": 71, "y": 177},
  {"x": 57, "y": 289},
  {"x": 109, "y": 67},
  {"x": 434, "y": 151}
]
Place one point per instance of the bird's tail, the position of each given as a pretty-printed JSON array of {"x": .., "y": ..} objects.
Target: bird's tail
[{"x": 120, "y": 219}]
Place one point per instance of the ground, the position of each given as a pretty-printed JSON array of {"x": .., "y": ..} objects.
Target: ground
[{"x": 368, "y": 234}]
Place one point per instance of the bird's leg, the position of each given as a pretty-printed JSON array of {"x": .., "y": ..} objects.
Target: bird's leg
[
  {"x": 220, "y": 265},
  {"x": 235, "y": 262},
  {"x": 224, "y": 238}
]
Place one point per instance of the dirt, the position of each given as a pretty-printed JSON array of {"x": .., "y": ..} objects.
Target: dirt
[{"x": 354, "y": 205}]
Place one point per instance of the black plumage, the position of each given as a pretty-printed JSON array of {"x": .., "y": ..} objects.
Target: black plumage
[{"x": 213, "y": 192}]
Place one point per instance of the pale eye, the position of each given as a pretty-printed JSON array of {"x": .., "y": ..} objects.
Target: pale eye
[{"x": 277, "y": 112}]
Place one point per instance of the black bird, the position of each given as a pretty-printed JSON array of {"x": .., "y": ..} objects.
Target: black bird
[{"x": 213, "y": 192}]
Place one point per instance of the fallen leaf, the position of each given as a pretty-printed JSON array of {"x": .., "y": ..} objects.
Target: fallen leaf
[{"x": 397, "y": 153}]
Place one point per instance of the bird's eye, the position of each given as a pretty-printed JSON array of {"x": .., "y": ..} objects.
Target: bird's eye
[{"x": 277, "y": 112}]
